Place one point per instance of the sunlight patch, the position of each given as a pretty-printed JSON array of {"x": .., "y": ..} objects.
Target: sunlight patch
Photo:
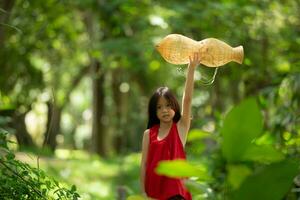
[{"x": 98, "y": 188}]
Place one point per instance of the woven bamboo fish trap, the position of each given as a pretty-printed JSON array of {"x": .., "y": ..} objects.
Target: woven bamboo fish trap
[{"x": 176, "y": 49}]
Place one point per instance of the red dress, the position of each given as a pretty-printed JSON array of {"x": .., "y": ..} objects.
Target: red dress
[{"x": 169, "y": 148}]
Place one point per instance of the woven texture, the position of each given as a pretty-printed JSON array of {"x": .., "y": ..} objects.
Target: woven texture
[{"x": 176, "y": 49}]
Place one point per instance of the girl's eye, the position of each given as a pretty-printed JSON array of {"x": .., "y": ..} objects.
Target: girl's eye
[{"x": 158, "y": 107}]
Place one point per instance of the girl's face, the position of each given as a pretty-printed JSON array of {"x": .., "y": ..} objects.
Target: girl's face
[{"x": 164, "y": 110}]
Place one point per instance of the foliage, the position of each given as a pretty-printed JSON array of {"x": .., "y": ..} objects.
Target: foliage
[
  {"x": 48, "y": 43},
  {"x": 99, "y": 179},
  {"x": 270, "y": 182},
  {"x": 21, "y": 181},
  {"x": 252, "y": 171},
  {"x": 241, "y": 125},
  {"x": 180, "y": 168}
]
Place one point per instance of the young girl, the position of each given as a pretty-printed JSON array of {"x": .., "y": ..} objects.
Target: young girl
[{"x": 165, "y": 139}]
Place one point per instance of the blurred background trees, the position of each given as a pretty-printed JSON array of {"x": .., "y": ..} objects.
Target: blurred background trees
[{"x": 78, "y": 74}]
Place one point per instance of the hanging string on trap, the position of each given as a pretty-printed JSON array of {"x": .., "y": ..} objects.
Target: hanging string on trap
[{"x": 206, "y": 80}]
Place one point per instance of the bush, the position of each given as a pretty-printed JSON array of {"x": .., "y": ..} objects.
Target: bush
[{"x": 21, "y": 181}]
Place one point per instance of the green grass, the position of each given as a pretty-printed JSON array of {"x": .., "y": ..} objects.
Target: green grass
[{"x": 94, "y": 177}]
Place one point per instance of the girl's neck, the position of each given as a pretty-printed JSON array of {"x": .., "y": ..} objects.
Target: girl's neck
[{"x": 165, "y": 125}]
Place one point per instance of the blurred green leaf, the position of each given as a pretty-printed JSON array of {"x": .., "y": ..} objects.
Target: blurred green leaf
[
  {"x": 271, "y": 182},
  {"x": 263, "y": 154},
  {"x": 135, "y": 197},
  {"x": 10, "y": 156},
  {"x": 180, "y": 169},
  {"x": 197, "y": 134},
  {"x": 241, "y": 126},
  {"x": 73, "y": 188},
  {"x": 266, "y": 139},
  {"x": 237, "y": 174},
  {"x": 198, "y": 187}
]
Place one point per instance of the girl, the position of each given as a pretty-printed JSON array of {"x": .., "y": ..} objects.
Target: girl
[{"x": 165, "y": 139}]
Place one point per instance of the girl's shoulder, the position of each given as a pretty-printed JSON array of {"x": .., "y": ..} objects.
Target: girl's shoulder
[
  {"x": 149, "y": 134},
  {"x": 146, "y": 132},
  {"x": 146, "y": 137}
]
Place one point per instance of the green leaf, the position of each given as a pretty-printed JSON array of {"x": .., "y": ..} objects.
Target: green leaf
[
  {"x": 198, "y": 187},
  {"x": 48, "y": 184},
  {"x": 237, "y": 174},
  {"x": 241, "y": 125},
  {"x": 3, "y": 142},
  {"x": 263, "y": 154},
  {"x": 266, "y": 139},
  {"x": 181, "y": 169},
  {"x": 197, "y": 134},
  {"x": 56, "y": 183},
  {"x": 135, "y": 197},
  {"x": 24, "y": 173},
  {"x": 44, "y": 191},
  {"x": 73, "y": 188},
  {"x": 271, "y": 182},
  {"x": 10, "y": 156}
]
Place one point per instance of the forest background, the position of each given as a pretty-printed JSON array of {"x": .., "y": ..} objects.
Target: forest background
[{"x": 76, "y": 77}]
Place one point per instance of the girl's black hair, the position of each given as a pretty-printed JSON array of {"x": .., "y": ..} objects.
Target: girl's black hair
[{"x": 152, "y": 107}]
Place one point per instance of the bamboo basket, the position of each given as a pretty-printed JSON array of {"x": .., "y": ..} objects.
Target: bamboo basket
[{"x": 176, "y": 49}]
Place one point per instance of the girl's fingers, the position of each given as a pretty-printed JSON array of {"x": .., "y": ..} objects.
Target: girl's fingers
[
  {"x": 198, "y": 57},
  {"x": 195, "y": 58}
]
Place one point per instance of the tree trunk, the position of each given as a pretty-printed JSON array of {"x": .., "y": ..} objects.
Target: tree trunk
[
  {"x": 98, "y": 124},
  {"x": 117, "y": 141},
  {"x": 55, "y": 112},
  {"x": 17, "y": 123},
  {"x": 53, "y": 125},
  {"x": 122, "y": 138},
  {"x": 23, "y": 137}
]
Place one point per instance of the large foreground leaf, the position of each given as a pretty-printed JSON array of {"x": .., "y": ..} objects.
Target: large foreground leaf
[
  {"x": 270, "y": 183},
  {"x": 241, "y": 125},
  {"x": 180, "y": 169},
  {"x": 263, "y": 154}
]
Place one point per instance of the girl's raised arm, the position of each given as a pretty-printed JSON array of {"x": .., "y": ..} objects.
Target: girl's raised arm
[{"x": 185, "y": 120}]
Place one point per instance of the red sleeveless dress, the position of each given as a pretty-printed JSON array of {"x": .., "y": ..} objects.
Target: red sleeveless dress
[{"x": 169, "y": 148}]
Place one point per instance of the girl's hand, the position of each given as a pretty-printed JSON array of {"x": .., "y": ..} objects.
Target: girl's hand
[{"x": 195, "y": 60}]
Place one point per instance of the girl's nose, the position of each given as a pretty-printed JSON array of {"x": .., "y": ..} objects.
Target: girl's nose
[{"x": 165, "y": 108}]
